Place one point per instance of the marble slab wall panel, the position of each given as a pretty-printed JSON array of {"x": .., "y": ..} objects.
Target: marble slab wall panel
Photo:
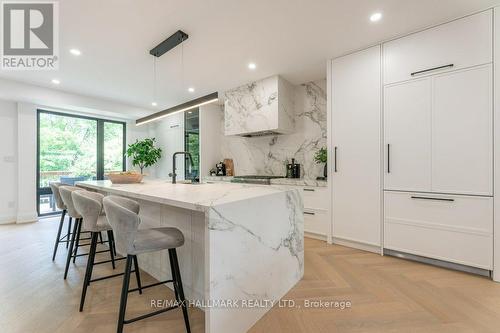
[
  {"x": 239, "y": 237},
  {"x": 267, "y": 155}
]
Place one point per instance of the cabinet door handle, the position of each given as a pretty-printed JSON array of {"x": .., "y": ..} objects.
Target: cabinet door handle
[
  {"x": 309, "y": 189},
  {"x": 432, "y": 69},
  {"x": 431, "y": 198},
  {"x": 309, "y": 213},
  {"x": 388, "y": 158},
  {"x": 335, "y": 159},
  {"x": 174, "y": 126}
]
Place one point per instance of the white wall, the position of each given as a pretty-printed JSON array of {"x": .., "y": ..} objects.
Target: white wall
[
  {"x": 8, "y": 161},
  {"x": 211, "y": 117},
  {"x": 169, "y": 134},
  {"x": 26, "y": 150}
]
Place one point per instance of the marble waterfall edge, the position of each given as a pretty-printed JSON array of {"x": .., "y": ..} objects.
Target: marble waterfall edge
[
  {"x": 240, "y": 235},
  {"x": 243, "y": 243}
]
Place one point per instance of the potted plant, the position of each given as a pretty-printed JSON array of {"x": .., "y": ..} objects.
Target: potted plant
[
  {"x": 144, "y": 153},
  {"x": 321, "y": 157}
]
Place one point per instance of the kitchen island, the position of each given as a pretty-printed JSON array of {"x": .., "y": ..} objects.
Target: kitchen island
[{"x": 244, "y": 245}]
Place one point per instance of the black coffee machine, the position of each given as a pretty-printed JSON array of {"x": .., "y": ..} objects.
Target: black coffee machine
[
  {"x": 293, "y": 170},
  {"x": 220, "y": 169}
]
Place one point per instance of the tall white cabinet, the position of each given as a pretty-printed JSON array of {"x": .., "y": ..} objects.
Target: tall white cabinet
[
  {"x": 438, "y": 133},
  {"x": 356, "y": 145},
  {"x": 433, "y": 134}
]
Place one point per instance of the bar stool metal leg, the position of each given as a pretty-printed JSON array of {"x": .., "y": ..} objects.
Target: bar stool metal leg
[
  {"x": 58, "y": 238},
  {"x": 137, "y": 275},
  {"x": 88, "y": 272},
  {"x": 77, "y": 244},
  {"x": 70, "y": 251},
  {"x": 110, "y": 244},
  {"x": 124, "y": 295},
  {"x": 69, "y": 231},
  {"x": 178, "y": 287}
]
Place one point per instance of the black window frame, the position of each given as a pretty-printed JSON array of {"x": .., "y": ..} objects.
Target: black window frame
[{"x": 100, "y": 150}]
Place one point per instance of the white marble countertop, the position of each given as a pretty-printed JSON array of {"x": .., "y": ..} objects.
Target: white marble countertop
[
  {"x": 194, "y": 197},
  {"x": 276, "y": 181}
]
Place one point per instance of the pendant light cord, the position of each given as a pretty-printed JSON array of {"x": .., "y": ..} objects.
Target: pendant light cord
[
  {"x": 154, "y": 80},
  {"x": 182, "y": 65}
]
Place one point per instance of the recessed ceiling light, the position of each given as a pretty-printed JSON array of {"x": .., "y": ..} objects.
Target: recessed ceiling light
[
  {"x": 191, "y": 89},
  {"x": 55, "y": 81},
  {"x": 252, "y": 66},
  {"x": 154, "y": 103},
  {"x": 76, "y": 52},
  {"x": 375, "y": 17}
]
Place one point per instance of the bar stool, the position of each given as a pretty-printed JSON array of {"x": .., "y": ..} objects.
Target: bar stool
[
  {"x": 89, "y": 205},
  {"x": 123, "y": 215},
  {"x": 65, "y": 192},
  {"x": 60, "y": 205}
]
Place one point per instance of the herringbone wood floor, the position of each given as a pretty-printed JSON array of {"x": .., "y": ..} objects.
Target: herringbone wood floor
[{"x": 387, "y": 294}]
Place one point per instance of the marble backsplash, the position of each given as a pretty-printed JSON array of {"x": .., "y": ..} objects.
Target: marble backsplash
[{"x": 267, "y": 155}]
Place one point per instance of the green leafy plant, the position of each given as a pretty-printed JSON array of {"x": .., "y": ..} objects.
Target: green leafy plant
[
  {"x": 144, "y": 153},
  {"x": 320, "y": 156}
]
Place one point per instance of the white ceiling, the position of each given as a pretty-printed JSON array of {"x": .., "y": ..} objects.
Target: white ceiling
[{"x": 293, "y": 38}]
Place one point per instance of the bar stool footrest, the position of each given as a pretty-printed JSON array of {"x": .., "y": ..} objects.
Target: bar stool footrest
[
  {"x": 106, "y": 261},
  {"x": 151, "y": 314},
  {"x": 150, "y": 285},
  {"x": 109, "y": 277}
]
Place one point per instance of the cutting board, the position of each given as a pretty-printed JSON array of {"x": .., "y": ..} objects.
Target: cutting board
[{"x": 229, "y": 166}]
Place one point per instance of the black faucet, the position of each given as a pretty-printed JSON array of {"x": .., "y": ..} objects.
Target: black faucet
[{"x": 173, "y": 174}]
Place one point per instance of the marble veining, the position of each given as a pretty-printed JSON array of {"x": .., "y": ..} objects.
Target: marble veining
[
  {"x": 267, "y": 155},
  {"x": 264, "y": 105}
]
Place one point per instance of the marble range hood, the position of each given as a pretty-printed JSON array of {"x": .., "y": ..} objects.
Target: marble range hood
[{"x": 264, "y": 107}]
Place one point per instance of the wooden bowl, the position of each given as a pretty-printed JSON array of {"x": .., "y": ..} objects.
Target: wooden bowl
[{"x": 125, "y": 178}]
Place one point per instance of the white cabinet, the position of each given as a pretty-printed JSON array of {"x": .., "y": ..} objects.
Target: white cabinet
[
  {"x": 452, "y": 228},
  {"x": 438, "y": 133},
  {"x": 462, "y": 43},
  {"x": 316, "y": 203},
  {"x": 316, "y": 208},
  {"x": 356, "y": 138},
  {"x": 462, "y": 135},
  {"x": 407, "y": 132}
]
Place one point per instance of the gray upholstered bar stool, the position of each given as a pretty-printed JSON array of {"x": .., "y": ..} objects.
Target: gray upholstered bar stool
[
  {"x": 89, "y": 205},
  {"x": 65, "y": 192},
  {"x": 54, "y": 186},
  {"x": 123, "y": 215}
]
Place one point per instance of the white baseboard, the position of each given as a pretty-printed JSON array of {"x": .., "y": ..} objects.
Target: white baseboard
[
  {"x": 357, "y": 245},
  {"x": 315, "y": 236},
  {"x": 7, "y": 219},
  {"x": 27, "y": 217}
]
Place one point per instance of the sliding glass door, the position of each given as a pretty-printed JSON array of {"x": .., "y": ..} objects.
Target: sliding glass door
[{"x": 75, "y": 148}]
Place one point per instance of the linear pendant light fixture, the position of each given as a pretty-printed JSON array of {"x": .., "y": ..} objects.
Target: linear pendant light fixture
[
  {"x": 159, "y": 50},
  {"x": 169, "y": 43},
  {"x": 213, "y": 97}
]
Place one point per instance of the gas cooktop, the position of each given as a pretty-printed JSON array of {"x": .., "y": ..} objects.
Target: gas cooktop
[{"x": 255, "y": 179}]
